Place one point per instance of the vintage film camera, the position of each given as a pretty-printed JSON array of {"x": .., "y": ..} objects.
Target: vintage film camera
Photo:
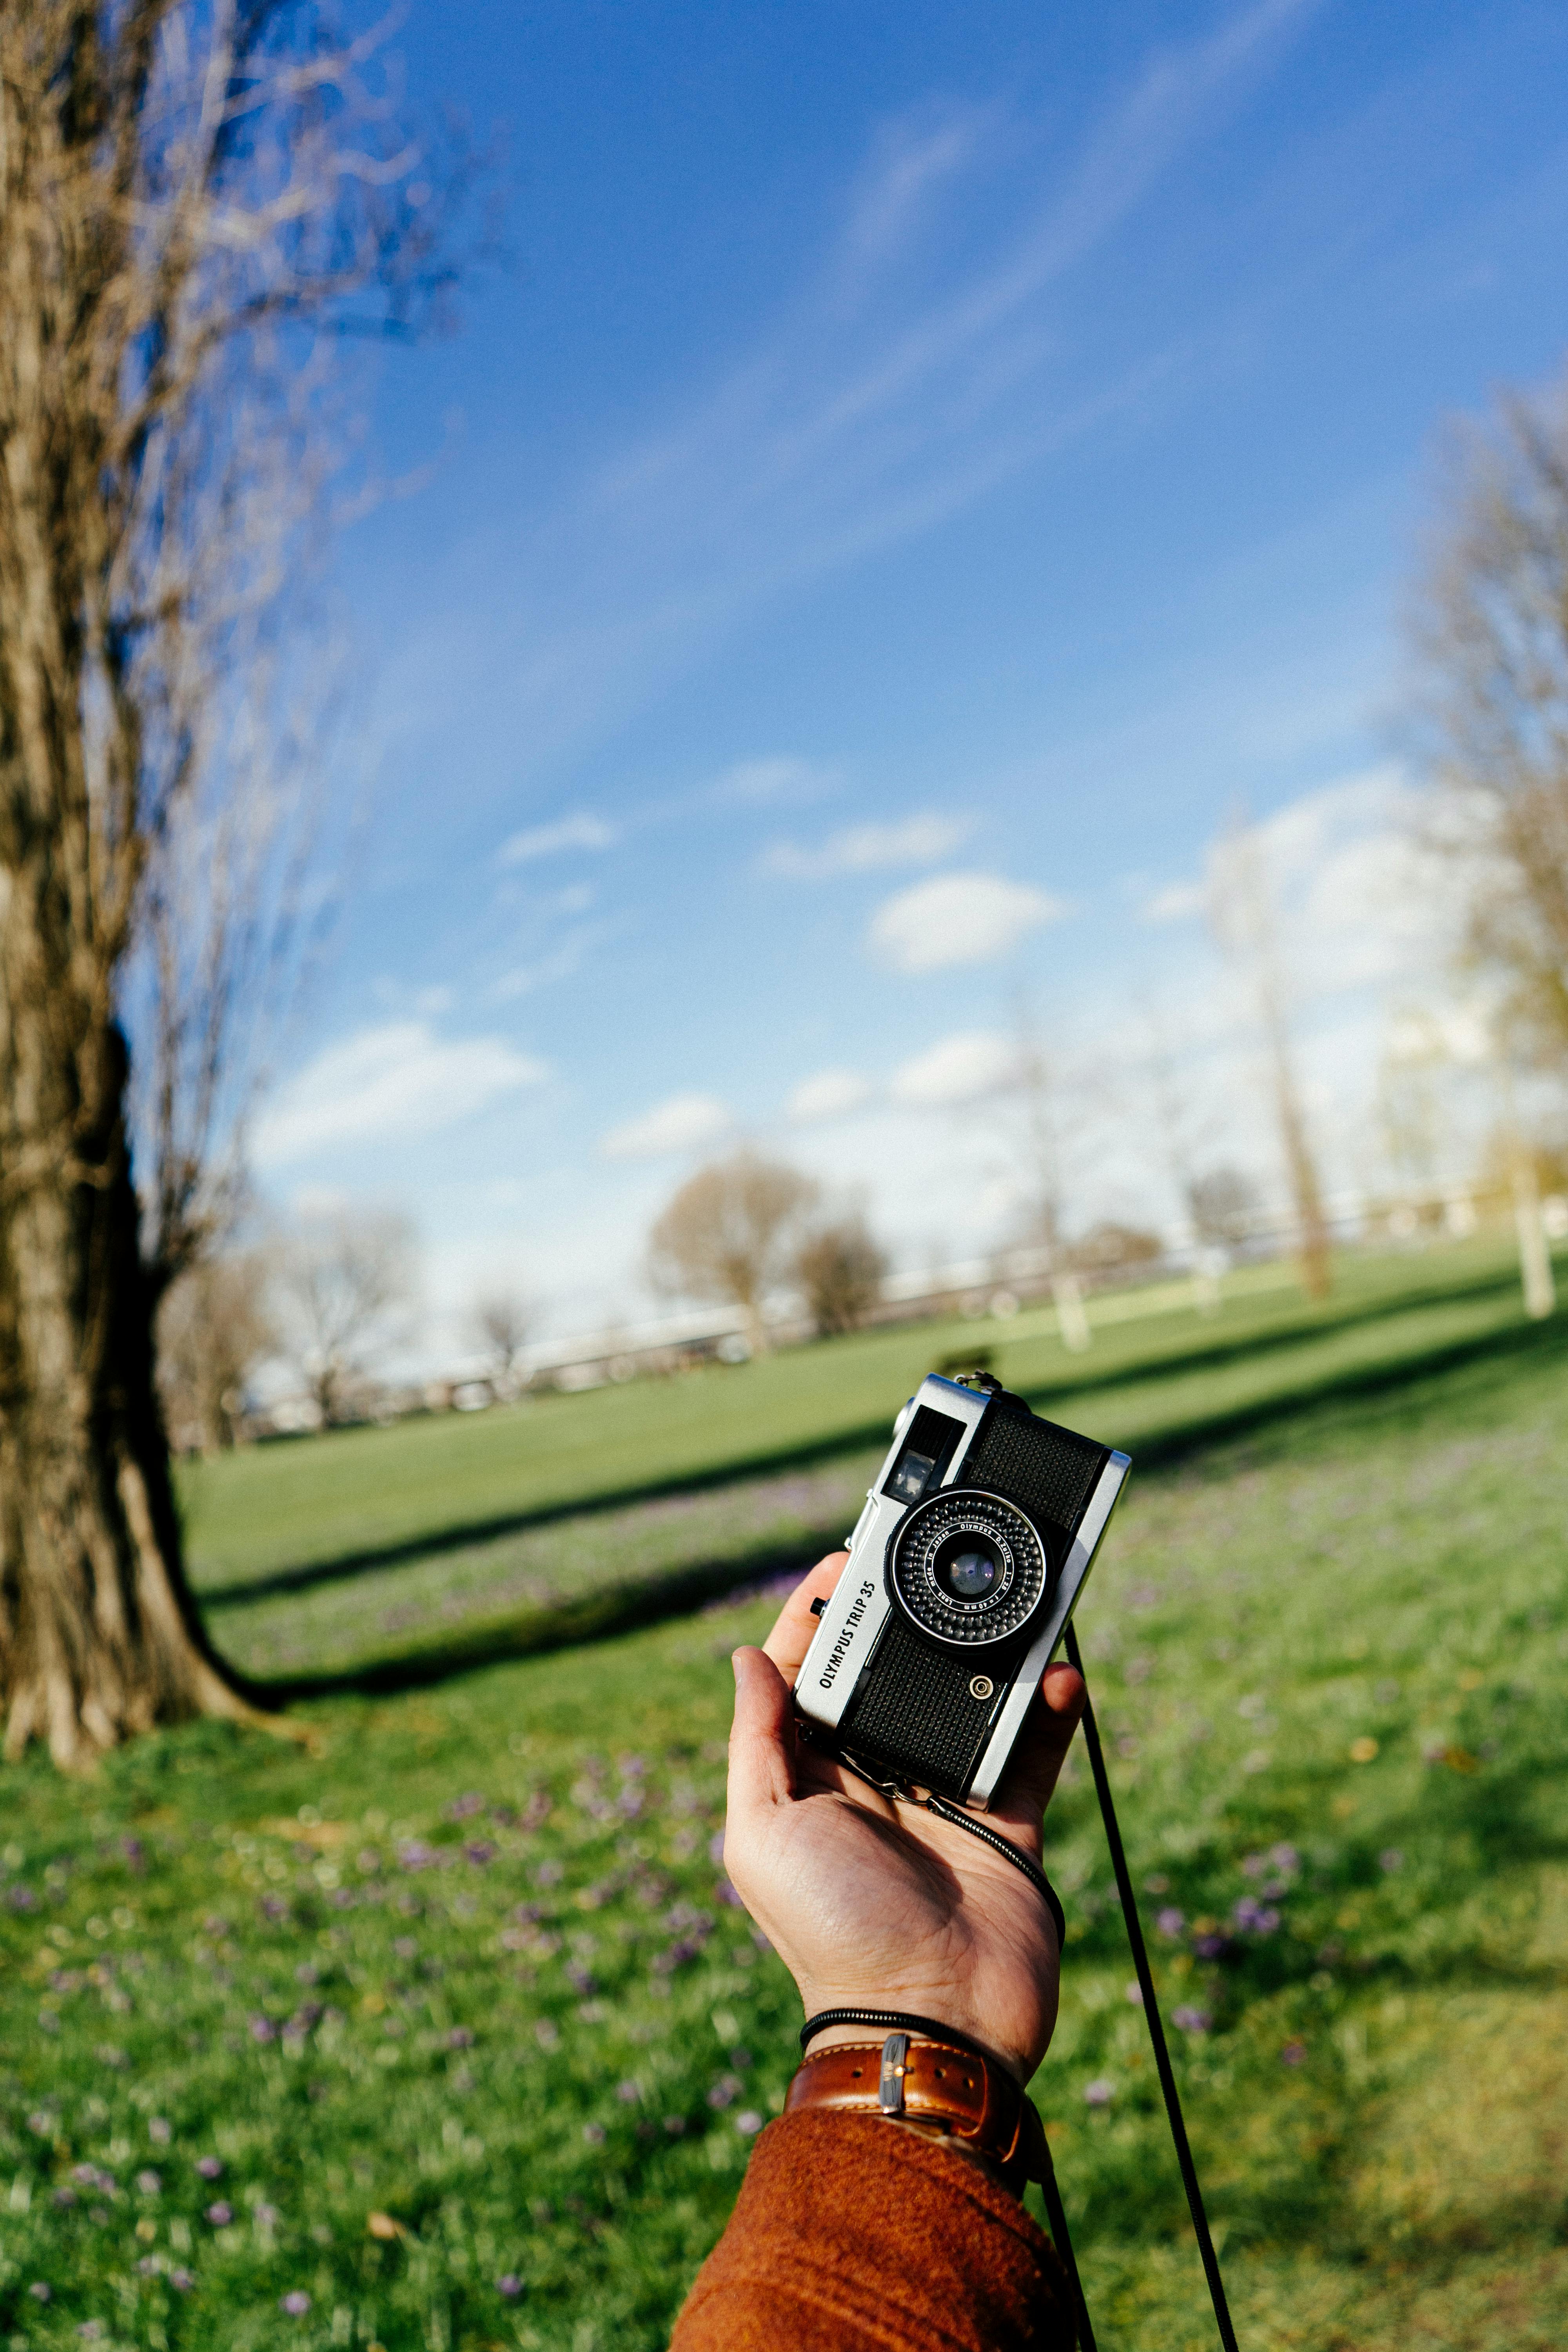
[{"x": 964, "y": 1568}]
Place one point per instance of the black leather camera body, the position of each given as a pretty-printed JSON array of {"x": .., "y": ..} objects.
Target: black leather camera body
[{"x": 964, "y": 1568}]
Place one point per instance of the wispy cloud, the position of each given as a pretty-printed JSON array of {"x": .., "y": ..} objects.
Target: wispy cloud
[
  {"x": 917, "y": 365},
  {"x": 680, "y": 1123},
  {"x": 581, "y": 832},
  {"x": 958, "y": 919},
  {"x": 388, "y": 1084},
  {"x": 831, "y": 1094},
  {"x": 956, "y": 1070},
  {"x": 918, "y": 840}
]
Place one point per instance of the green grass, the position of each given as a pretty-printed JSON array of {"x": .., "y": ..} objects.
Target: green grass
[
  {"x": 422, "y": 1592},
  {"x": 544, "y": 2061},
  {"x": 373, "y": 1496}
]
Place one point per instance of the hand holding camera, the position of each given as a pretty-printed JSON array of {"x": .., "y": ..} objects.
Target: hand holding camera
[{"x": 875, "y": 1905}]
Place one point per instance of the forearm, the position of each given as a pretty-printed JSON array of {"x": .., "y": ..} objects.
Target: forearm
[{"x": 854, "y": 2235}]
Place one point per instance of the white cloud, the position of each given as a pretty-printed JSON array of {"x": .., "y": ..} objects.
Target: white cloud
[
  {"x": 958, "y": 1069},
  {"x": 1178, "y": 902},
  {"x": 831, "y": 1094},
  {"x": 958, "y": 919},
  {"x": 396, "y": 1081},
  {"x": 678, "y": 1123},
  {"x": 759, "y": 784},
  {"x": 918, "y": 840},
  {"x": 547, "y": 840}
]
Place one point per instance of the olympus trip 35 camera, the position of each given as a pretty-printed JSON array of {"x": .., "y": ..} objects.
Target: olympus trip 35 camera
[{"x": 964, "y": 1568}]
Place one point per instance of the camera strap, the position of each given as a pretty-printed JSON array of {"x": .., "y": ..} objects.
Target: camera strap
[{"x": 1151, "y": 2008}]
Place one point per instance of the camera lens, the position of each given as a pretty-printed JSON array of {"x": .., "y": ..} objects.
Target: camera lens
[
  {"x": 967, "y": 1567},
  {"x": 970, "y": 1573}
]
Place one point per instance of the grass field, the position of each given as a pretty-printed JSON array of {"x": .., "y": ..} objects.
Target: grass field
[
  {"x": 441, "y": 1541},
  {"x": 448, "y": 2035}
]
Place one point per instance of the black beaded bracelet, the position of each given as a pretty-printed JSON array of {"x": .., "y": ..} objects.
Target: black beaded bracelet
[{"x": 893, "y": 2021}]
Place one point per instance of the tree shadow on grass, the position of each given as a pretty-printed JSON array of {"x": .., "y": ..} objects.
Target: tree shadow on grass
[
  {"x": 624, "y": 1607},
  {"x": 1155, "y": 1447}
]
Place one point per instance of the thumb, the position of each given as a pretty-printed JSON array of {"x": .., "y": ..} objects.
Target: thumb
[{"x": 762, "y": 1741}]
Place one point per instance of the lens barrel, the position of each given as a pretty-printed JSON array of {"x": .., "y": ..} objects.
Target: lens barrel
[{"x": 967, "y": 1568}]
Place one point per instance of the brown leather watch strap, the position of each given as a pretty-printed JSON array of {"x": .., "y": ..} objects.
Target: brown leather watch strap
[{"x": 912, "y": 2080}]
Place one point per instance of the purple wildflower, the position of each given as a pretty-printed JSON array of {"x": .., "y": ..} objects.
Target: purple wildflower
[
  {"x": 91, "y": 2330},
  {"x": 210, "y": 2166},
  {"x": 22, "y": 1898},
  {"x": 508, "y": 2284},
  {"x": 463, "y": 1809},
  {"x": 215, "y": 1927},
  {"x": 65, "y": 2197},
  {"x": 1391, "y": 1859},
  {"x": 1292, "y": 2053},
  {"x": 1098, "y": 2094},
  {"x": 459, "y": 2038},
  {"x": 716, "y": 1846},
  {"x": 266, "y": 2217},
  {"x": 1285, "y": 1857},
  {"x": 159, "y": 2128},
  {"x": 1190, "y": 2020},
  {"x": 41, "y": 2291},
  {"x": 1134, "y": 1994},
  {"x": 725, "y": 2090},
  {"x": 263, "y": 2028},
  {"x": 594, "y": 2135},
  {"x": 748, "y": 2122},
  {"x": 149, "y": 2183},
  {"x": 296, "y": 2303},
  {"x": 1211, "y": 1946},
  {"x": 580, "y": 1979},
  {"x": 273, "y": 1906},
  {"x": 183, "y": 2279},
  {"x": 480, "y": 1850},
  {"x": 629, "y": 2093},
  {"x": 220, "y": 2215},
  {"x": 1170, "y": 1922}
]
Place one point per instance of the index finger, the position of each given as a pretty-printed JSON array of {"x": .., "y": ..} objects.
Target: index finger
[{"x": 794, "y": 1626}]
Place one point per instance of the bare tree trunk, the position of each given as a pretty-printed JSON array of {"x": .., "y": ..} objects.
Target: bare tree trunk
[
  {"x": 99, "y": 1638},
  {"x": 1242, "y": 912}
]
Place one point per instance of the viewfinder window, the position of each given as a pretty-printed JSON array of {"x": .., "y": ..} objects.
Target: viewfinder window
[
  {"x": 928, "y": 1446},
  {"x": 911, "y": 1471}
]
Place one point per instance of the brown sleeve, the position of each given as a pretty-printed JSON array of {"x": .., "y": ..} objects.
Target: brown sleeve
[{"x": 851, "y": 2236}]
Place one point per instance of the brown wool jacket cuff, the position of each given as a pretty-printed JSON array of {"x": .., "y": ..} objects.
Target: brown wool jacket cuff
[{"x": 851, "y": 2235}]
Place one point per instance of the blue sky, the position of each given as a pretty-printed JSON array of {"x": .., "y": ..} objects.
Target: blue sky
[{"x": 927, "y": 468}]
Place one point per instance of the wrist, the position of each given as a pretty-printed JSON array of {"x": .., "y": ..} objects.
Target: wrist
[
  {"x": 1001, "y": 2037},
  {"x": 838, "y": 2037}
]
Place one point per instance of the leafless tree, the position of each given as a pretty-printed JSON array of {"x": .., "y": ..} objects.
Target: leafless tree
[
  {"x": 840, "y": 1269},
  {"x": 1223, "y": 1205},
  {"x": 343, "y": 1285},
  {"x": 730, "y": 1233},
  {"x": 1245, "y": 920},
  {"x": 501, "y": 1321},
  {"x": 1038, "y": 1103},
  {"x": 1490, "y": 634},
  {"x": 1110, "y": 1248},
  {"x": 214, "y": 1329},
  {"x": 196, "y": 197}
]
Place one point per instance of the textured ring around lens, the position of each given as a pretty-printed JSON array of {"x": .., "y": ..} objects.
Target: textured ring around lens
[{"x": 933, "y": 1572}]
